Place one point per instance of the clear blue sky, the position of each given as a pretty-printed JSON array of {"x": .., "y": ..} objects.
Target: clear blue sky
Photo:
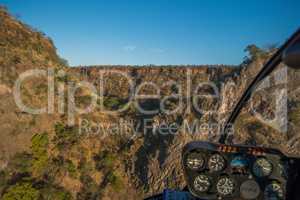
[{"x": 159, "y": 31}]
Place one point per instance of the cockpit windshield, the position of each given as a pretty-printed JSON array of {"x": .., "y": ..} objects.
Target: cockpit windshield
[{"x": 271, "y": 116}]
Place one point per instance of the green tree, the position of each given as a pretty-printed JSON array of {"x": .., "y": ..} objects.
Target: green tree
[
  {"x": 39, "y": 145},
  {"x": 63, "y": 61},
  {"x": 113, "y": 103},
  {"x": 61, "y": 195},
  {"x": 105, "y": 160},
  {"x": 55, "y": 193},
  {"x": 115, "y": 181},
  {"x": 254, "y": 53},
  {"x": 21, "y": 191},
  {"x": 71, "y": 168},
  {"x": 65, "y": 136}
]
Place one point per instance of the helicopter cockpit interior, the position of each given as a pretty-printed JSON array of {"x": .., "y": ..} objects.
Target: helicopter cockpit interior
[{"x": 222, "y": 170}]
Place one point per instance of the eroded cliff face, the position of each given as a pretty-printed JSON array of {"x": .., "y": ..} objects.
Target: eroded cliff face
[{"x": 154, "y": 156}]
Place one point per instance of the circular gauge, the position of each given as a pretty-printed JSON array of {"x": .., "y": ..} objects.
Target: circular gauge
[
  {"x": 202, "y": 183},
  {"x": 225, "y": 186},
  {"x": 195, "y": 161},
  {"x": 250, "y": 189},
  {"x": 273, "y": 192},
  {"x": 262, "y": 167},
  {"x": 216, "y": 163}
]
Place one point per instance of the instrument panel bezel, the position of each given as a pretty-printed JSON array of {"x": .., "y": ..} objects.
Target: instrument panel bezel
[{"x": 229, "y": 152}]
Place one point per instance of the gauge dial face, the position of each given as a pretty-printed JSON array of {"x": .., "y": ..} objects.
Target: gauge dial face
[
  {"x": 262, "y": 167},
  {"x": 216, "y": 163},
  {"x": 202, "y": 183},
  {"x": 225, "y": 186},
  {"x": 195, "y": 161},
  {"x": 273, "y": 192},
  {"x": 250, "y": 189}
]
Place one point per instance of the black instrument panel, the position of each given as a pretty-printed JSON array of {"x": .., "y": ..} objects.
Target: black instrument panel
[{"x": 214, "y": 171}]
